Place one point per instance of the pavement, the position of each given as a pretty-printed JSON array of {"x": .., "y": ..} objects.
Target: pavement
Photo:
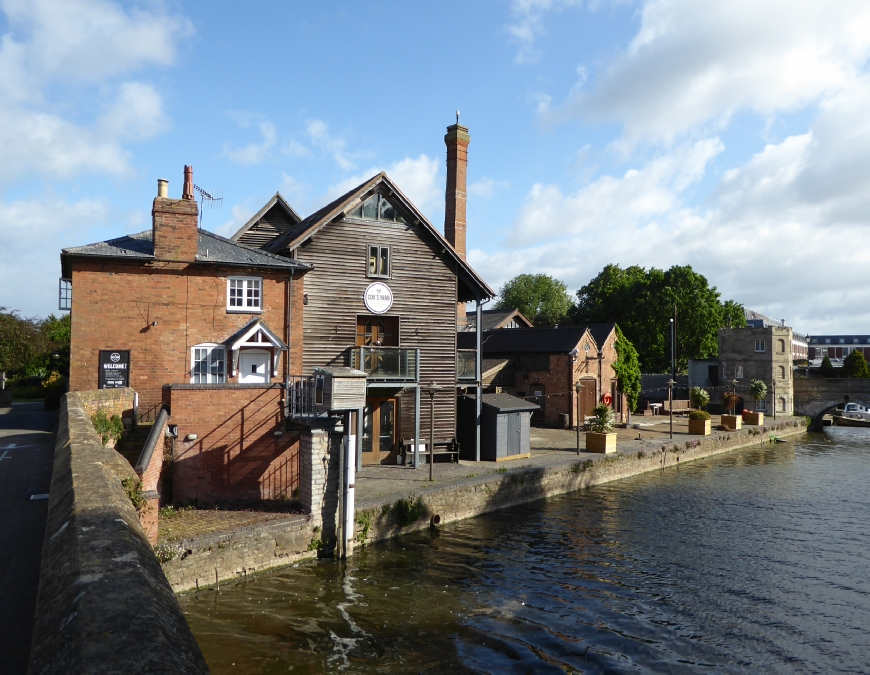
[{"x": 27, "y": 434}]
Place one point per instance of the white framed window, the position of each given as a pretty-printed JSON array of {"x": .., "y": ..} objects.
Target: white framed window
[
  {"x": 379, "y": 261},
  {"x": 738, "y": 372},
  {"x": 244, "y": 294},
  {"x": 64, "y": 295},
  {"x": 208, "y": 364},
  {"x": 842, "y": 341},
  {"x": 760, "y": 346},
  {"x": 762, "y": 405},
  {"x": 827, "y": 341}
]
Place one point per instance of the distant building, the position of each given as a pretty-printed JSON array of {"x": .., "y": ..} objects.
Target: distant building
[
  {"x": 837, "y": 347},
  {"x": 496, "y": 319},
  {"x": 799, "y": 343},
  {"x": 762, "y": 353}
]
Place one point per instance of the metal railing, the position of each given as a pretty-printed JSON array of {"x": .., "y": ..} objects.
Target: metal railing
[
  {"x": 387, "y": 364},
  {"x": 466, "y": 365},
  {"x": 300, "y": 397}
]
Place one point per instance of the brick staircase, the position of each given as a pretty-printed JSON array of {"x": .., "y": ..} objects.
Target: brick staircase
[{"x": 131, "y": 446}]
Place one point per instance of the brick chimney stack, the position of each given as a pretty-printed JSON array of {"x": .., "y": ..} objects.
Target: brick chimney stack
[
  {"x": 175, "y": 223},
  {"x": 457, "y": 140}
]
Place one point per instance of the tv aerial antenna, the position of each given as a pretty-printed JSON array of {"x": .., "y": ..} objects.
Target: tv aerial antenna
[{"x": 208, "y": 200}]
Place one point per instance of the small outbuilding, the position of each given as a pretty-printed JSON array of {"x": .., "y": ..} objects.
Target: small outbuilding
[{"x": 504, "y": 427}]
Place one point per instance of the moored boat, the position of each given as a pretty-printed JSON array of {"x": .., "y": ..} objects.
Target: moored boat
[{"x": 853, "y": 415}]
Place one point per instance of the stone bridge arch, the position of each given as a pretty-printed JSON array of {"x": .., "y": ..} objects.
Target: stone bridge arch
[{"x": 816, "y": 396}]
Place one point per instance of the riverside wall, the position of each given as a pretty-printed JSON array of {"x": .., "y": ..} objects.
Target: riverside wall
[
  {"x": 104, "y": 604},
  {"x": 220, "y": 558}
]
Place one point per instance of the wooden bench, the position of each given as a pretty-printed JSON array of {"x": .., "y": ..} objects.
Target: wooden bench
[
  {"x": 680, "y": 406},
  {"x": 449, "y": 447}
]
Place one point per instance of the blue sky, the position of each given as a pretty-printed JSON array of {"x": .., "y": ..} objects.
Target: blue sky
[{"x": 730, "y": 136}]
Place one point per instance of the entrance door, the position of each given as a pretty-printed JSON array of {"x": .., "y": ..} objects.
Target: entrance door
[
  {"x": 587, "y": 398},
  {"x": 514, "y": 433},
  {"x": 379, "y": 431},
  {"x": 377, "y": 331},
  {"x": 540, "y": 415},
  {"x": 254, "y": 366}
]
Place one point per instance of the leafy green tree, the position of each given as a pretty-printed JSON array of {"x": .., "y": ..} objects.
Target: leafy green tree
[
  {"x": 827, "y": 368},
  {"x": 627, "y": 369},
  {"x": 56, "y": 333},
  {"x": 757, "y": 390},
  {"x": 540, "y": 297},
  {"x": 642, "y": 302},
  {"x": 22, "y": 344},
  {"x": 855, "y": 365},
  {"x": 700, "y": 397}
]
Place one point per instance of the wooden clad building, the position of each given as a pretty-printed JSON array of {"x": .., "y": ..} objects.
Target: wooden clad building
[{"x": 382, "y": 297}]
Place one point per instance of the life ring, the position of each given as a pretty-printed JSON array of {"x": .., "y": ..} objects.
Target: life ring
[{"x": 607, "y": 399}]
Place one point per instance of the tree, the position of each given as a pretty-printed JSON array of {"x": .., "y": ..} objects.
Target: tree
[
  {"x": 855, "y": 365},
  {"x": 627, "y": 369},
  {"x": 757, "y": 390},
  {"x": 540, "y": 297},
  {"x": 642, "y": 302},
  {"x": 56, "y": 332},
  {"x": 827, "y": 369},
  {"x": 700, "y": 397},
  {"x": 21, "y": 343}
]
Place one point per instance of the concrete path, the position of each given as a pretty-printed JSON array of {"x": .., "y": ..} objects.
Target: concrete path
[{"x": 26, "y": 456}]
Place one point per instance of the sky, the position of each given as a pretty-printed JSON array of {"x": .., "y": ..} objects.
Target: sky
[{"x": 731, "y": 136}]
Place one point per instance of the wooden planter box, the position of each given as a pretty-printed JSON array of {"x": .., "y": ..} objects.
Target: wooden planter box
[
  {"x": 600, "y": 442},
  {"x": 699, "y": 427},
  {"x": 732, "y": 422},
  {"x": 755, "y": 419}
]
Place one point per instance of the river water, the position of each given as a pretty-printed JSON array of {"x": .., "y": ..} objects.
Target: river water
[{"x": 755, "y": 561}]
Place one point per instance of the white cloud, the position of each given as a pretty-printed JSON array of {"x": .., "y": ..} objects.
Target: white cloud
[
  {"x": 253, "y": 153},
  {"x": 487, "y": 187},
  {"x": 417, "y": 178},
  {"x": 28, "y": 275},
  {"x": 296, "y": 149},
  {"x": 697, "y": 63},
  {"x": 318, "y": 131},
  {"x": 528, "y": 24},
  {"x": 75, "y": 50},
  {"x": 239, "y": 215}
]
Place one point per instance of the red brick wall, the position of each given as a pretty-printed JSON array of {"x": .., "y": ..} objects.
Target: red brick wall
[
  {"x": 236, "y": 454},
  {"x": 114, "y": 305},
  {"x": 176, "y": 235}
]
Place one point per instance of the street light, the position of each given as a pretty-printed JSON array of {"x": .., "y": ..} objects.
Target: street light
[
  {"x": 433, "y": 389},
  {"x": 773, "y": 387},
  {"x": 671, "y": 384},
  {"x": 578, "y": 388}
]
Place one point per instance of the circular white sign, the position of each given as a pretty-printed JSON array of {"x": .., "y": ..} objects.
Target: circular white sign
[
  {"x": 378, "y": 298},
  {"x": 115, "y": 357}
]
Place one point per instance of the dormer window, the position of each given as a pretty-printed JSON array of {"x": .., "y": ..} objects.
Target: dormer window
[
  {"x": 377, "y": 207},
  {"x": 379, "y": 261}
]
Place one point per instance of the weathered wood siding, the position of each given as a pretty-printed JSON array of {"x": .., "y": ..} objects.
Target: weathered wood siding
[
  {"x": 275, "y": 221},
  {"x": 424, "y": 297}
]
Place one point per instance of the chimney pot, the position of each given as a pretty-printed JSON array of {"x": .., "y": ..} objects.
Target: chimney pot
[
  {"x": 162, "y": 187},
  {"x": 187, "y": 192}
]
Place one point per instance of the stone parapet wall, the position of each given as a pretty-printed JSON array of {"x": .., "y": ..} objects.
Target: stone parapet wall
[
  {"x": 817, "y": 389},
  {"x": 104, "y": 604},
  {"x": 113, "y": 401}
]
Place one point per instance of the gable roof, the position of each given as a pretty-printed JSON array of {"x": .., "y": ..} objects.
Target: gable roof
[
  {"x": 561, "y": 340},
  {"x": 276, "y": 217},
  {"x": 493, "y": 319},
  {"x": 256, "y": 325},
  {"x": 212, "y": 248},
  {"x": 338, "y": 208}
]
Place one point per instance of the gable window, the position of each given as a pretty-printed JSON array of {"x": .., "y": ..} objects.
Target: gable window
[
  {"x": 379, "y": 261},
  {"x": 759, "y": 345},
  {"x": 244, "y": 294},
  {"x": 208, "y": 364},
  {"x": 377, "y": 207}
]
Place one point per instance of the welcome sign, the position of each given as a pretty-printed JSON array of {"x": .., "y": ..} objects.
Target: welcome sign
[{"x": 114, "y": 368}]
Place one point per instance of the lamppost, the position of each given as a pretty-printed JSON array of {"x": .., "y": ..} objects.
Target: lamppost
[
  {"x": 773, "y": 388},
  {"x": 578, "y": 387},
  {"x": 433, "y": 389},
  {"x": 671, "y": 384}
]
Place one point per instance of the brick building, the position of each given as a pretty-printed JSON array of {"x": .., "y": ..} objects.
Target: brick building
[
  {"x": 545, "y": 364},
  {"x": 181, "y": 314},
  {"x": 763, "y": 353}
]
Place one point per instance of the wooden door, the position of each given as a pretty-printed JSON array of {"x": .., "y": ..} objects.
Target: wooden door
[
  {"x": 587, "y": 398},
  {"x": 514, "y": 433},
  {"x": 377, "y": 331},
  {"x": 379, "y": 431}
]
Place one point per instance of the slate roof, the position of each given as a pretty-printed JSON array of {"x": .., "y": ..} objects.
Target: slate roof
[
  {"x": 494, "y": 318},
  {"x": 507, "y": 403},
  {"x": 338, "y": 208},
  {"x": 559, "y": 340},
  {"x": 212, "y": 249}
]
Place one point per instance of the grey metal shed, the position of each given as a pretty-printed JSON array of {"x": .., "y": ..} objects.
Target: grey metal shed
[{"x": 504, "y": 427}]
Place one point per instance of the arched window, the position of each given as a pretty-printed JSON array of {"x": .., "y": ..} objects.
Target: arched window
[
  {"x": 781, "y": 404},
  {"x": 782, "y": 372},
  {"x": 759, "y": 346},
  {"x": 781, "y": 345}
]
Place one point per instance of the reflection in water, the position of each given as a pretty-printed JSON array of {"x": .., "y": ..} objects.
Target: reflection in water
[{"x": 750, "y": 562}]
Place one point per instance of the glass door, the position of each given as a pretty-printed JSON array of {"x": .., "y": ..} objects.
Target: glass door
[{"x": 379, "y": 431}]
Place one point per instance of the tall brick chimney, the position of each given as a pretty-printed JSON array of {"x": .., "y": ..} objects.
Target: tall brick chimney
[
  {"x": 457, "y": 140},
  {"x": 175, "y": 224}
]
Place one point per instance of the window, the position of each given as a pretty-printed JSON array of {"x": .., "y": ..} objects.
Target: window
[
  {"x": 208, "y": 364},
  {"x": 759, "y": 345},
  {"x": 761, "y": 406},
  {"x": 827, "y": 341},
  {"x": 781, "y": 344},
  {"x": 855, "y": 341},
  {"x": 842, "y": 341},
  {"x": 738, "y": 372},
  {"x": 782, "y": 372},
  {"x": 379, "y": 261},
  {"x": 377, "y": 207},
  {"x": 64, "y": 302},
  {"x": 845, "y": 351},
  {"x": 244, "y": 294}
]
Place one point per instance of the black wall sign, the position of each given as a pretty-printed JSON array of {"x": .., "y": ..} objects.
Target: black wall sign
[{"x": 114, "y": 368}]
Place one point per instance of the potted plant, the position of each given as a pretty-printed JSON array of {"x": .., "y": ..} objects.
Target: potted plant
[
  {"x": 758, "y": 391},
  {"x": 731, "y": 421},
  {"x": 699, "y": 422},
  {"x": 601, "y": 437},
  {"x": 699, "y": 398}
]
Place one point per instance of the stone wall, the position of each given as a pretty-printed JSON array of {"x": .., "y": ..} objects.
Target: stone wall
[
  {"x": 819, "y": 390},
  {"x": 104, "y": 603}
]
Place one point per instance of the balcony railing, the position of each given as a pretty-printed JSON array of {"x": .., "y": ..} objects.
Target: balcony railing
[
  {"x": 466, "y": 365},
  {"x": 387, "y": 364}
]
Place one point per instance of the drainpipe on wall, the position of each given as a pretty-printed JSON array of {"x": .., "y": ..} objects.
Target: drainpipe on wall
[{"x": 288, "y": 325}]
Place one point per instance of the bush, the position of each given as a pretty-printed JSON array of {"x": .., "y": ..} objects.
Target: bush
[
  {"x": 108, "y": 428},
  {"x": 602, "y": 419},
  {"x": 699, "y": 415},
  {"x": 54, "y": 387}
]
